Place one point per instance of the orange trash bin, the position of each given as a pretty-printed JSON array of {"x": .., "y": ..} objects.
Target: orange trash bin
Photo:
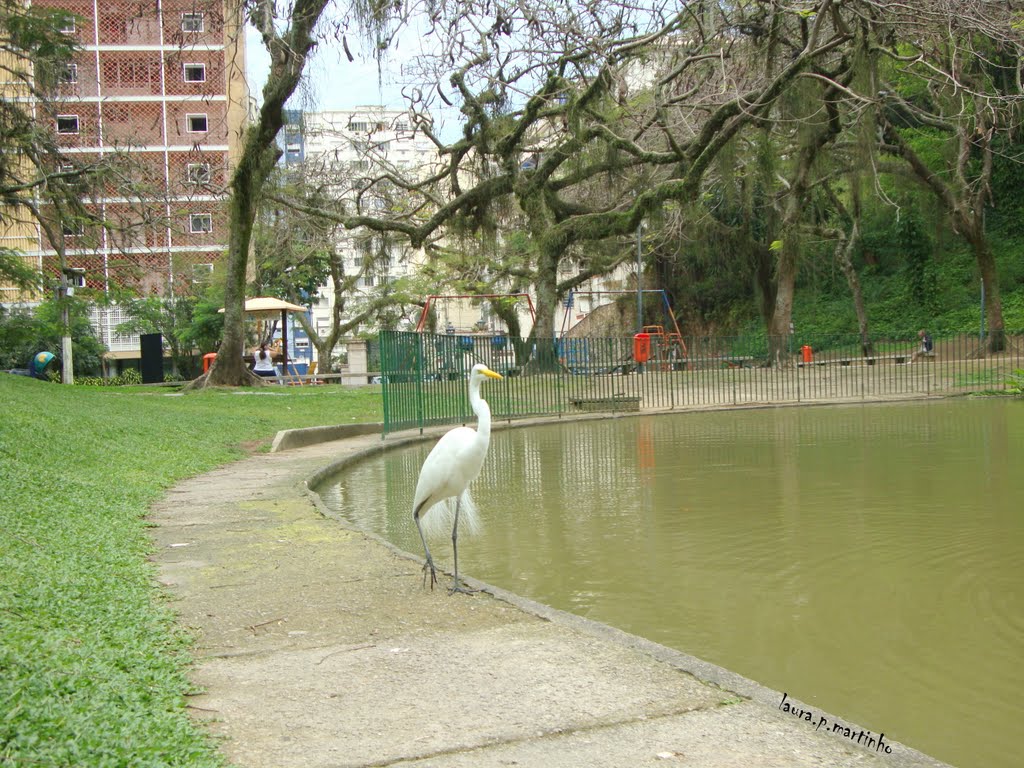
[
  {"x": 807, "y": 353},
  {"x": 208, "y": 359},
  {"x": 642, "y": 347}
]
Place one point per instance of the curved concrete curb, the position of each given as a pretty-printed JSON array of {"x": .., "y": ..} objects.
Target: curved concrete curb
[
  {"x": 724, "y": 679},
  {"x": 290, "y": 439},
  {"x": 318, "y": 647}
]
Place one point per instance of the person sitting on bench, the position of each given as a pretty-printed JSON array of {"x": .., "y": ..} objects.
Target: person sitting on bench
[{"x": 927, "y": 348}]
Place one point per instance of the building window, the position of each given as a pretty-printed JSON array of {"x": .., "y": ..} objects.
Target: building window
[
  {"x": 368, "y": 281},
  {"x": 191, "y": 22},
  {"x": 199, "y": 223},
  {"x": 67, "y": 123},
  {"x": 359, "y": 127},
  {"x": 67, "y": 25},
  {"x": 197, "y": 123},
  {"x": 66, "y": 167},
  {"x": 69, "y": 74},
  {"x": 194, "y": 73},
  {"x": 198, "y": 173}
]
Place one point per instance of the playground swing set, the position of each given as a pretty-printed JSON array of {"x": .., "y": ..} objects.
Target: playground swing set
[
  {"x": 428, "y": 304},
  {"x": 451, "y": 348},
  {"x": 653, "y": 346}
]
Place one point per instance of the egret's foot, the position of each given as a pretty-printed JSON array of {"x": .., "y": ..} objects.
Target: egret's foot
[
  {"x": 458, "y": 586},
  {"x": 428, "y": 567}
]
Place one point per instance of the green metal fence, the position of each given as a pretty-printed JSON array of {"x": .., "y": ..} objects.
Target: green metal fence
[{"x": 424, "y": 375}]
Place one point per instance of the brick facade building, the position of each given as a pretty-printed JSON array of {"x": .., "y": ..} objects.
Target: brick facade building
[{"x": 160, "y": 85}]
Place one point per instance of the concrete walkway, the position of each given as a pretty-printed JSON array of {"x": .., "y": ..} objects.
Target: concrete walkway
[{"x": 319, "y": 646}]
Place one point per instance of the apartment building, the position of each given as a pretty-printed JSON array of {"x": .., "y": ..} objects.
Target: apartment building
[
  {"x": 160, "y": 86},
  {"x": 356, "y": 144},
  {"x": 350, "y": 145}
]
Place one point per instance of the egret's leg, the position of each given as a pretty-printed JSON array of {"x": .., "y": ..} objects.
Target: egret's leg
[
  {"x": 429, "y": 566},
  {"x": 457, "y": 585}
]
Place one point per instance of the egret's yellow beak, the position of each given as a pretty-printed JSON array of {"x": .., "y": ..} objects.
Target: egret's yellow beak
[{"x": 491, "y": 374}]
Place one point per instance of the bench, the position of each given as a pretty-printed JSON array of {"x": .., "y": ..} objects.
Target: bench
[
  {"x": 614, "y": 403},
  {"x": 898, "y": 359}
]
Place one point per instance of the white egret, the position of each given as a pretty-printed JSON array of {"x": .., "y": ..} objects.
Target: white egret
[{"x": 452, "y": 464}]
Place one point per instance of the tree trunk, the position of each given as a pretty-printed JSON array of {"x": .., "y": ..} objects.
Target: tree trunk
[
  {"x": 545, "y": 358},
  {"x": 786, "y": 268},
  {"x": 764, "y": 282},
  {"x": 785, "y": 282},
  {"x": 520, "y": 346},
  {"x": 965, "y": 203},
  {"x": 990, "y": 281},
  {"x": 844, "y": 255},
  {"x": 288, "y": 56},
  {"x": 230, "y": 369}
]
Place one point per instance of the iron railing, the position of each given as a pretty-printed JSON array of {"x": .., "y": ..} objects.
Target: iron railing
[{"x": 424, "y": 375}]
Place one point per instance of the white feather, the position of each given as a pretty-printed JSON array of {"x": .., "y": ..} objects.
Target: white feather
[{"x": 439, "y": 522}]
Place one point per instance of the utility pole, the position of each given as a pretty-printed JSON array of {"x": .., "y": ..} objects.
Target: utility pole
[{"x": 69, "y": 278}]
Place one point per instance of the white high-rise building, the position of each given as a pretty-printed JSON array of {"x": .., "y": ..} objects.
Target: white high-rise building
[{"x": 352, "y": 145}]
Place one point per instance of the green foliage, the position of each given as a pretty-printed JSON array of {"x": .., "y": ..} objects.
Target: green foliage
[
  {"x": 916, "y": 249},
  {"x": 36, "y": 30},
  {"x": 1007, "y": 216},
  {"x": 172, "y": 317},
  {"x": 24, "y": 332},
  {"x": 207, "y": 324},
  {"x": 130, "y": 377},
  {"x": 1015, "y": 384},
  {"x": 15, "y": 270},
  {"x": 92, "y": 663},
  {"x": 35, "y": 55}
]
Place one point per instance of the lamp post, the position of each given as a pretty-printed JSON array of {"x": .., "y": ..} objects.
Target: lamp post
[{"x": 70, "y": 277}]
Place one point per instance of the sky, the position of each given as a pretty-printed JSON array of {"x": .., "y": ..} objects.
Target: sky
[{"x": 332, "y": 82}]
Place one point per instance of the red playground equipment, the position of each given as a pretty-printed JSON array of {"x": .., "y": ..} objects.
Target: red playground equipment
[{"x": 657, "y": 347}]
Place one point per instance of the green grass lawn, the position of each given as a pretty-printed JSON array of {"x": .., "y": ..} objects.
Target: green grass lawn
[{"x": 93, "y": 670}]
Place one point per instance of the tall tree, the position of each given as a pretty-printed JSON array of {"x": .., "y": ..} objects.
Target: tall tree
[
  {"x": 288, "y": 35},
  {"x": 590, "y": 118},
  {"x": 812, "y": 138},
  {"x": 953, "y": 70}
]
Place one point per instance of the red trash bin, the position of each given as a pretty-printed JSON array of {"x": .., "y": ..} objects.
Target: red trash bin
[
  {"x": 208, "y": 359},
  {"x": 808, "y": 353},
  {"x": 642, "y": 347}
]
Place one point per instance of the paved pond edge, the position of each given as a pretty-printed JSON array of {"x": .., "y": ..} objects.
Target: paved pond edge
[{"x": 706, "y": 672}]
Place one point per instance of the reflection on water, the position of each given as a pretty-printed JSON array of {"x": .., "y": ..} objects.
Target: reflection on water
[{"x": 866, "y": 559}]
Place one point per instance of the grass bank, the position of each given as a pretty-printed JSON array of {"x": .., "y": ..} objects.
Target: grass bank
[{"x": 92, "y": 666}]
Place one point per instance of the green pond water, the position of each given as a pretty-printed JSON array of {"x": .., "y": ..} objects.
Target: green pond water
[{"x": 868, "y": 560}]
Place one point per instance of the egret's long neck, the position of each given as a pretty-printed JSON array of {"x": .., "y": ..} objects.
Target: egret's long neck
[{"x": 482, "y": 411}]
